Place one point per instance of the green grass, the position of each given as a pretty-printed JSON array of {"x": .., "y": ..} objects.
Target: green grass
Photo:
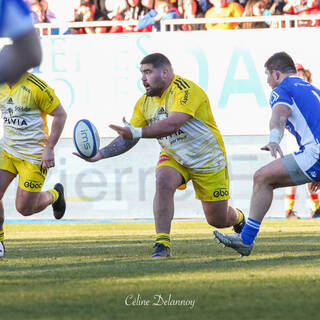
[{"x": 86, "y": 271}]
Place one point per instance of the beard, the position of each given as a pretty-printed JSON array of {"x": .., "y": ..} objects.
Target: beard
[{"x": 154, "y": 92}]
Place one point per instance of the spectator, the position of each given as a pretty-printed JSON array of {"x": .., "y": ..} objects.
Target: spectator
[
  {"x": 84, "y": 13},
  {"x": 205, "y": 5},
  {"x": 303, "y": 7},
  {"x": 189, "y": 10},
  {"x": 163, "y": 10},
  {"x": 254, "y": 8},
  {"x": 222, "y": 9}
]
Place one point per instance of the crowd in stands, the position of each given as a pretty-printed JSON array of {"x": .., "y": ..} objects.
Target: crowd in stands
[{"x": 148, "y": 13}]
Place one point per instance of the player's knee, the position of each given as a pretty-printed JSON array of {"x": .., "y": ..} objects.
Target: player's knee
[
  {"x": 260, "y": 177},
  {"x": 164, "y": 184}
]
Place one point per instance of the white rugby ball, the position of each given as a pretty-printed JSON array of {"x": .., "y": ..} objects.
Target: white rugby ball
[{"x": 86, "y": 138}]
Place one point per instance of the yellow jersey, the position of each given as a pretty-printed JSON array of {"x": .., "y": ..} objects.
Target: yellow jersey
[
  {"x": 24, "y": 108},
  {"x": 198, "y": 144}
]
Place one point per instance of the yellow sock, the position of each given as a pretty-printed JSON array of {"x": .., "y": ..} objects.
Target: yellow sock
[
  {"x": 240, "y": 216},
  {"x": 289, "y": 202},
  {"x": 163, "y": 238},
  {"x": 1, "y": 235},
  {"x": 315, "y": 201},
  {"x": 55, "y": 194}
]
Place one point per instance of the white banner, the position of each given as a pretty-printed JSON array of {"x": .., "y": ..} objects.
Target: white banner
[
  {"x": 123, "y": 187},
  {"x": 97, "y": 76}
]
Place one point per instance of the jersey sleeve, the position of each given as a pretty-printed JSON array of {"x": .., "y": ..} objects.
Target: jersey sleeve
[
  {"x": 15, "y": 19},
  {"x": 185, "y": 100},
  {"x": 138, "y": 120},
  {"x": 46, "y": 100},
  {"x": 280, "y": 96}
]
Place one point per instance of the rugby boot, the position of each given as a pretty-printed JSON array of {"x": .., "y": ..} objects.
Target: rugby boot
[
  {"x": 291, "y": 215},
  {"x": 238, "y": 227},
  {"x": 316, "y": 214},
  {"x": 59, "y": 207},
  {"x": 160, "y": 251},
  {"x": 233, "y": 241}
]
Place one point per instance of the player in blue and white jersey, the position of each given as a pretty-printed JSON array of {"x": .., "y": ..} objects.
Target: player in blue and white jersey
[
  {"x": 295, "y": 105},
  {"x": 25, "y": 50}
]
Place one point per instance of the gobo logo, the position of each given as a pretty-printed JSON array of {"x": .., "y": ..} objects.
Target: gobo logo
[
  {"x": 32, "y": 184},
  {"x": 220, "y": 192}
]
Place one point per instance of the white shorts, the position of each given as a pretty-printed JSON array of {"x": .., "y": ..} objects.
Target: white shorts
[
  {"x": 304, "y": 166},
  {"x": 15, "y": 19}
]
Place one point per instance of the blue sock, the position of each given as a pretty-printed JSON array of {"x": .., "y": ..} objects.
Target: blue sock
[{"x": 250, "y": 231}]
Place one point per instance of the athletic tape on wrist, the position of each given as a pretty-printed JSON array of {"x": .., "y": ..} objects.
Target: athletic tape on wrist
[
  {"x": 275, "y": 135},
  {"x": 136, "y": 132}
]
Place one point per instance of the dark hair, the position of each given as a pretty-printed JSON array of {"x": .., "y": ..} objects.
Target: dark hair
[
  {"x": 282, "y": 62},
  {"x": 156, "y": 59}
]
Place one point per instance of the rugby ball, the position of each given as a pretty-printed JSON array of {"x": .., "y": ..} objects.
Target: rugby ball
[{"x": 86, "y": 138}]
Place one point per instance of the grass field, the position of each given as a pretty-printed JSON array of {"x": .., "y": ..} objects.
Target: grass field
[{"x": 98, "y": 271}]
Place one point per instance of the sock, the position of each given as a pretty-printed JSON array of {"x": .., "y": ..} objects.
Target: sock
[
  {"x": 1, "y": 236},
  {"x": 240, "y": 216},
  {"x": 289, "y": 202},
  {"x": 250, "y": 231},
  {"x": 315, "y": 201},
  {"x": 55, "y": 194},
  {"x": 163, "y": 238}
]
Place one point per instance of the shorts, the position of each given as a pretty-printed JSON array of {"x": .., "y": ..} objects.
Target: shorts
[
  {"x": 303, "y": 166},
  {"x": 31, "y": 176},
  {"x": 213, "y": 186}
]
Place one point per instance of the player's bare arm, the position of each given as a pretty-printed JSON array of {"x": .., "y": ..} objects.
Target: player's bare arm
[
  {"x": 279, "y": 117},
  {"x": 114, "y": 148},
  {"x": 159, "y": 129},
  {"x": 59, "y": 118}
]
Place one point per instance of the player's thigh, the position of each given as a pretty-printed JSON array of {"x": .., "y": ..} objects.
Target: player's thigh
[
  {"x": 170, "y": 174},
  {"x": 282, "y": 172},
  {"x": 7, "y": 171}
]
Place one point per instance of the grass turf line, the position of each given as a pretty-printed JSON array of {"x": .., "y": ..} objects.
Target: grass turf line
[{"x": 86, "y": 271}]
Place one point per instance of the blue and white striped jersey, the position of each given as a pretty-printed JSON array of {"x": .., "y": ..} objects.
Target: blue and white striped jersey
[
  {"x": 15, "y": 19},
  {"x": 304, "y": 101}
]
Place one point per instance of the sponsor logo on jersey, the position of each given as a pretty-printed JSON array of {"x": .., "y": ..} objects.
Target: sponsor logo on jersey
[
  {"x": 274, "y": 97},
  {"x": 185, "y": 98},
  {"x": 10, "y": 111},
  {"x": 32, "y": 184},
  {"x": 22, "y": 109},
  {"x": 221, "y": 192},
  {"x": 26, "y": 88},
  {"x": 49, "y": 95},
  {"x": 10, "y": 101},
  {"x": 15, "y": 121}
]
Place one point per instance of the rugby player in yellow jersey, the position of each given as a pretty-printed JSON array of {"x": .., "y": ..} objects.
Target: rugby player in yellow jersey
[
  {"x": 177, "y": 112},
  {"x": 26, "y": 149}
]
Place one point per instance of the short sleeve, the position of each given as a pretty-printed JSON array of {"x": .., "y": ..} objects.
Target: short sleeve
[
  {"x": 280, "y": 96},
  {"x": 138, "y": 120},
  {"x": 47, "y": 100}
]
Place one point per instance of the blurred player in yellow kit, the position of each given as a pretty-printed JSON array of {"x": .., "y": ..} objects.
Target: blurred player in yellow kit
[
  {"x": 177, "y": 112},
  {"x": 26, "y": 149}
]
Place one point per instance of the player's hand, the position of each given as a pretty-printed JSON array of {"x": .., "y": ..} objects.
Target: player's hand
[
  {"x": 314, "y": 186},
  {"x": 274, "y": 148},
  {"x": 95, "y": 158},
  {"x": 124, "y": 132},
  {"x": 47, "y": 158}
]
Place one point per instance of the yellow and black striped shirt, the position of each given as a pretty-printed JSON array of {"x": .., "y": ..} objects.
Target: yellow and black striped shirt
[{"x": 24, "y": 107}]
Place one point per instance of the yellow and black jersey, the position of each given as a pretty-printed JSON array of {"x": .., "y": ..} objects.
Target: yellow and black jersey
[
  {"x": 24, "y": 108},
  {"x": 198, "y": 144}
]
